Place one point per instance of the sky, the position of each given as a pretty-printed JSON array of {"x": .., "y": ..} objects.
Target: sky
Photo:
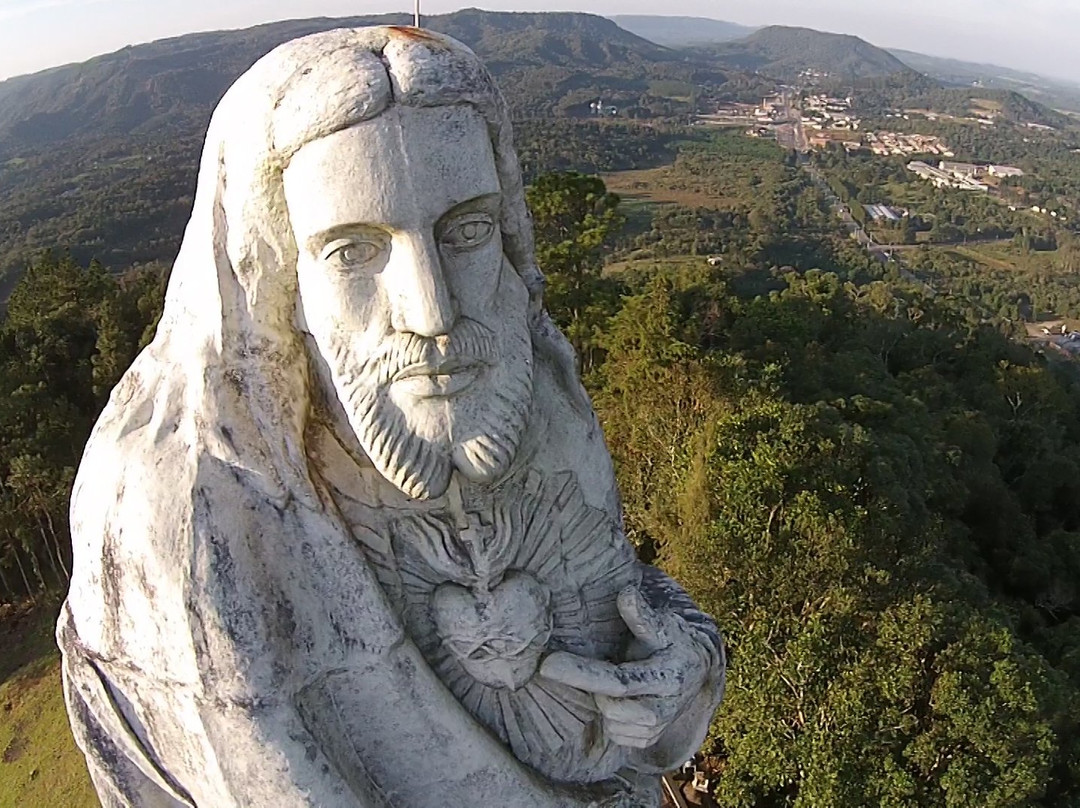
[{"x": 1035, "y": 35}]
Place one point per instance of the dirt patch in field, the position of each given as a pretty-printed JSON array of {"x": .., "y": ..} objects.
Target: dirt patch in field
[
  {"x": 985, "y": 105},
  {"x": 660, "y": 185},
  {"x": 17, "y": 746},
  {"x": 26, "y": 635},
  {"x": 983, "y": 258}
]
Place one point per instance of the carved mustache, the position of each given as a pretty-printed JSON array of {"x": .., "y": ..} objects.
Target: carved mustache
[{"x": 404, "y": 354}]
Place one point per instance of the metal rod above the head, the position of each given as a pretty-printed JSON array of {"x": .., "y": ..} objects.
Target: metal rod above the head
[{"x": 416, "y": 14}]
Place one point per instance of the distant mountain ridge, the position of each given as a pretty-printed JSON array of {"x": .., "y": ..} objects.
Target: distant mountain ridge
[
  {"x": 546, "y": 63},
  {"x": 1052, "y": 92},
  {"x": 175, "y": 83},
  {"x": 682, "y": 32},
  {"x": 785, "y": 52}
]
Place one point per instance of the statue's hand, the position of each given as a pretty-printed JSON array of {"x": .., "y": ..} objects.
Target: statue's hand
[{"x": 640, "y": 699}]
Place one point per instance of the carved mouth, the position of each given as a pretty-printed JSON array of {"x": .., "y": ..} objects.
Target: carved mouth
[{"x": 438, "y": 379}]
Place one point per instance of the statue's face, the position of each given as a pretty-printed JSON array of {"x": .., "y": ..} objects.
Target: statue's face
[{"x": 403, "y": 284}]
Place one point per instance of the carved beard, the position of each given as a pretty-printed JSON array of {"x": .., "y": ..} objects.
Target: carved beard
[{"x": 477, "y": 431}]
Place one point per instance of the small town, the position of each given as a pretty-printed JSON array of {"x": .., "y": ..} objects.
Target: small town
[{"x": 821, "y": 122}]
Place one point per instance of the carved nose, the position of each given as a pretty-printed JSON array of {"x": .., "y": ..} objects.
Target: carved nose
[{"x": 421, "y": 300}]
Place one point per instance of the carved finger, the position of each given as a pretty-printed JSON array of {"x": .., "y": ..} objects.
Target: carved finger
[
  {"x": 626, "y": 711},
  {"x": 644, "y": 622},
  {"x": 656, "y": 676},
  {"x": 590, "y": 675},
  {"x": 630, "y": 735}
]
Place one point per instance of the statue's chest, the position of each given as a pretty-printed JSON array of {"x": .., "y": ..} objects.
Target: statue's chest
[{"x": 492, "y": 583}]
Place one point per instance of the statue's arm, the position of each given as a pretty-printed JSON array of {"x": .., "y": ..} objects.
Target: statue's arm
[
  {"x": 261, "y": 757},
  {"x": 125, "y": 774},
  {"x": 660, "y": 700}
]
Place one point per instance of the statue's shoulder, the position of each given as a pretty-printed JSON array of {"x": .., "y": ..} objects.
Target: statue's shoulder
[
  {"x": 131, "y": 506},
  {"x": 142, "y": 442},
  {"x": 566, "y": 435}
]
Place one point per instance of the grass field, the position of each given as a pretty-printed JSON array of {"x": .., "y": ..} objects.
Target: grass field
[
  {"x": 660, "y": 185},
  {"x": 717, "y": 170},
  {"x": 40, "y": 767},
  {"x": 675, "y": 90},
  {"x": 984, "y": 256},
  {"x": 1005, "y": 255},
  {"x": 615, "y": 267},
  {"x": 984, "y": 105}
]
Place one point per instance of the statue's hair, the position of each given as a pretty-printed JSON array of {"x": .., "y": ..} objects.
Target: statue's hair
[{"x": 359, "y": 73}]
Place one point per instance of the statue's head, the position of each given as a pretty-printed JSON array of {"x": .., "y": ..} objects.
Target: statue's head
[{"x": 367, "y": 203}]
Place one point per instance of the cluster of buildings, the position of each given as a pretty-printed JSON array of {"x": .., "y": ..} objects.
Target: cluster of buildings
[
  {"x": 984, "y": 117},
  {"x": 965, "y": 176},
  {"x": 884, "y": 212},
  {"x": 823, "y": 111},
  {"x": 888, "y": 143},
  {"x": 760, "y": 118},
  {"x": 821, "y": 140},
  {"x": 732, "y": 114},
  {"x": 1044, "y": 211},
  {"x": 882, "y": 143},
  {"x": 811, "y": 76},
  {"x": 1061, "y": 337},
  {"x": 773, "y": 108}
]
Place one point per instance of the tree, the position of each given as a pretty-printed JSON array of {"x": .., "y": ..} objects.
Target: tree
[
  {"x": 574, "y": 218},
  {"x": 68, "y": 335}
]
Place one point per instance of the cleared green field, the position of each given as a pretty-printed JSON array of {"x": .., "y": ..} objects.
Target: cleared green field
[
  {"x": 1007, "y": 256},
  {"x": 40, "y": 767}
]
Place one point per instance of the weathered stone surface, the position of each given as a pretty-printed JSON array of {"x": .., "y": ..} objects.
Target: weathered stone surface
[{"x": 347, "y": 533}]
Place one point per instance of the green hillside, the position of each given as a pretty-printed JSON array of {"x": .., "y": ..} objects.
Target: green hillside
[
  {"x": 173, "y": 84},
  {"x": 40, "y": 765},
  {"x": 917, "y": 91},
  {"x": 784, "y": 52},
  {"x": 1052, "y": 92}
]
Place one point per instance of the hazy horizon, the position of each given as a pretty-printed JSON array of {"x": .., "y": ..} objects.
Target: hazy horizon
[{"x": 1035, "y": 36}]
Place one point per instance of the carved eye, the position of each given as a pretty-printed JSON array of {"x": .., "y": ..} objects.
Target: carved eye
[
  {"x": 469, "y": 232},
  {"x": 352, "y": 253}
]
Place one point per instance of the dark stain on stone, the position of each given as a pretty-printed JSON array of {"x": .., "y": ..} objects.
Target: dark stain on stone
[{"x": 414, "y": 34}]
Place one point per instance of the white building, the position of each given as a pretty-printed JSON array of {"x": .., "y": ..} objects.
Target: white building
[{"x": 960, "y": 169}]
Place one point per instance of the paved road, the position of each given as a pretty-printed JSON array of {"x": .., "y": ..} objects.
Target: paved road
[
  {"x": 959, "y": 243},
  {"x": 886, "y": 253},
  {"x": 790, "y": 134}
]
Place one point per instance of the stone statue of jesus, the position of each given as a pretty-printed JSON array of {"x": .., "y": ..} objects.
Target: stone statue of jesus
[{"x": 347, "y": 534}]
